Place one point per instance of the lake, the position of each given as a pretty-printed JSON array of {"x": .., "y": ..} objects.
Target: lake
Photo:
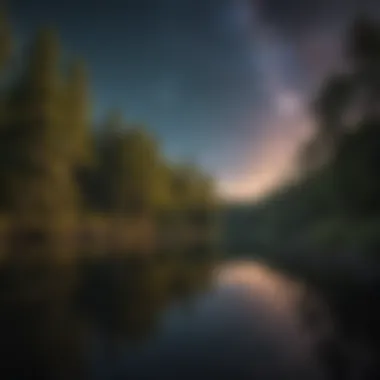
[{"x": 169, "y": 319}]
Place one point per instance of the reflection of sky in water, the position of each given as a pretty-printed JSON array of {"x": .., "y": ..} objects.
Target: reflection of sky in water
[
  {"x": 260, "y": 284},
  {"x": 246, "y": 327}
]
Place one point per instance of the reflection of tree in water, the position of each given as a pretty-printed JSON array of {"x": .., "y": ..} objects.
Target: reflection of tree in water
[
  {"x": 123, "y": 296},
  {"x": 39, "y": 334},
  {"x": 51, "y": 311}
]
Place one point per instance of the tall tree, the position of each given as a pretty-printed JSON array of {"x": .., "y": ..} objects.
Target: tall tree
[
  {"x": 331, "y": 105},
  {"x": 77, "y": 116},
  {"x": 130, "y": 173},
  {"x": 332, "y": 110},
  {"x": 348, "y": 115},
  {"x": 363, "y": 51},
  {"x": 40, "y": 181},
  {"x": 5, "y": 51},
  {"x": 192, "y": 189},
  {"x": 5, "y": 39},
  {"x": 138, "y": 165},
  {"x": 346, "y": 99},
  {"x": 107, "y": 171}
]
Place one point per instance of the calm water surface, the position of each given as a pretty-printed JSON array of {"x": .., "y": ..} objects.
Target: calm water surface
[
  {"x": 246, "y": 325},
  {"x": 235, "y": 320}
]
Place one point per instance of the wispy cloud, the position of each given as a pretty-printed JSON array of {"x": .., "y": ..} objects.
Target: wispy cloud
[{"x": 283, "y": 115}]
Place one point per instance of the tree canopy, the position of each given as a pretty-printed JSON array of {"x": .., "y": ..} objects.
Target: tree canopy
[{"x": 54, "y": 160}]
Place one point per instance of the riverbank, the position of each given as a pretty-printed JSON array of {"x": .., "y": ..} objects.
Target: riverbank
[{"x": 102, "y": 235}]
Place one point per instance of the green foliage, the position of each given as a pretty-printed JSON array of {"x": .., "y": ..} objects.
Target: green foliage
[
  {"x": 346, "y": 99},
  {"x": 77, "y": 114},
  {"x": 191, "y": 187},
  {"x": 138, "y": 179},
  {"x": 37, "y": 176},
  {"x": 52, "y": 159},
  {"x": 334, "y": 205},
  {"x": 356, "y": 171},
  {"x": 130, "y": 167},
  {"x": 5, "y": 40},
  {"x": 332, "y": 103},
  {"x": 136, "y": 167}
]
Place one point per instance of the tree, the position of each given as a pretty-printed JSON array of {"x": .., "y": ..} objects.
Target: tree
[
  {"x": 48, "y": 152},
  {"x": 39, "y": 180},
  {"x": 348, "y": 120},
  {"x": 363, "y": 52},
  {"x": 331, "y": 105},
  {"x": 356, "y": 171},
  {"x": 107, "y": 173},
  {"x": 192, "y": 192},
  {"x": 5, "y": 40},
  {"x": 138, "y": 164},
  {"x": 5, "y": 51},
  {"x": 346, "y": 99},
  {"x": 131, "y": 174},
  {"x": 77, "y": 123},
  {"x": 331, "y": 109}
]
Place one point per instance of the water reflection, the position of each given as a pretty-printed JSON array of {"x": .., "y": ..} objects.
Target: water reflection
[
  {"x": 52, "y": 314},
  {"x": 139, "y": 318}
]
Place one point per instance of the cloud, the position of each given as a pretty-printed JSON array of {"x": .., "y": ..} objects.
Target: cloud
[
  {"x": 273, "y": 161},
  {"x": 283, "y": 116},
  {"x": 295, "y": 16},
  {"x": 295, "y": 45}
]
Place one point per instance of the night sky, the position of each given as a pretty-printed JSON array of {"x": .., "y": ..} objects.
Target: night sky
[{"x": 222, "y": 83}]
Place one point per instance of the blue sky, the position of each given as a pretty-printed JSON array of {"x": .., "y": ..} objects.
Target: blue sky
[{"x": 224, "y": 83}]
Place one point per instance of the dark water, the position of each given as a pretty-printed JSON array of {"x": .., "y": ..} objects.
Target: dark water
[{"x": 137, "y": 319}]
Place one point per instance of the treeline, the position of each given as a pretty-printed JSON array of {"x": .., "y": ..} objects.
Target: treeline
[
  {"x": 334, "y": 204},
  {"x": 55, "y": 164}
]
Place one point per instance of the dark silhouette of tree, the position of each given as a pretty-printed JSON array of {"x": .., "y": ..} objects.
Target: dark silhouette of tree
[
  {"x": 331, "y": 105},
  {"x": 348, "y": 119},
  {"x": 345, "y": 99},
  {"x": 333, "y": 205},
  {"x": 363, "y": 50}
]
